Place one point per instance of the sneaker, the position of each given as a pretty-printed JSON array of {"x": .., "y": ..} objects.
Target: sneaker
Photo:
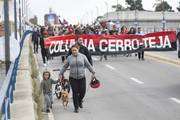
[
  {"x": 76, "y": 110},
  {"x": 80, "y": 105},
  {"x": 44, "y": 64},
  {"x": 47, "y": 111}
]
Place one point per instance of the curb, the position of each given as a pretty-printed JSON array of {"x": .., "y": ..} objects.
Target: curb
[
  {"x": 46, "y": 116},
  {"x": 162, "y": 58},
  {"x": 23, "y": 105}
]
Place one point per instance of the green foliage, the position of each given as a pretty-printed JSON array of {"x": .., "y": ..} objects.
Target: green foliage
[
  {"x": 34, "y": 70},
  {"x": 178, "y": 8},
  {"x": 34, "y": 20},
  {"x": 35, "y": 83},
  {"x": 163, "y": 6},
  {"x": 118, "y": 7},
  {"x": 135, "y": 4},
  {"x": 0, "y": 115}
]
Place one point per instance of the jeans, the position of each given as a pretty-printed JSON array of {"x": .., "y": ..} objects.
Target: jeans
[{"x": 48, "y": 98}]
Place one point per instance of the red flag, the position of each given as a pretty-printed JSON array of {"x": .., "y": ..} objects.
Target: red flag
[
  {"x": 60, "y": 22},
  {"x": 65, "y": 21}
]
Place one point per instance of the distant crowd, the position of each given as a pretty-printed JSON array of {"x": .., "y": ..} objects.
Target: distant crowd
[{"x": 39, "y": 33}]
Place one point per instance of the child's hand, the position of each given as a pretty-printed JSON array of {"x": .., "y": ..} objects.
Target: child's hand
[{"x": 60, "y": 77}]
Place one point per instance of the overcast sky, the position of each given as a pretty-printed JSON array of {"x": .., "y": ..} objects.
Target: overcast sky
[{"x": 82, "y": 10}]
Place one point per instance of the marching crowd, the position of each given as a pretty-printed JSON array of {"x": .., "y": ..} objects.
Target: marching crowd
[
  {"x": 78, "y": 58},
  {"x": 39, "y": 33}
]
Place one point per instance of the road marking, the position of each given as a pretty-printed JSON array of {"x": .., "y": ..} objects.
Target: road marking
[
  {"x": 109, "y": 66},
  {"x": 175, "y": 100},
  {"x": 137, "y": 81},
  {"x": 95, "y": 58}
]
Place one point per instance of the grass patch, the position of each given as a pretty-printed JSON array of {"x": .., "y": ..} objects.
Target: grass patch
[
  {"x": 0, "y": 115},
  {"x": 36, "y": 86}
]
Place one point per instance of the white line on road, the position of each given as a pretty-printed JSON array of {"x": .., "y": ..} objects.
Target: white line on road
[
  {"x": 137, "y": 81},
  {"x": 109, "y": 66},
  {"x": 95, "y": 58},
  {"x": 175, "y": 100}
]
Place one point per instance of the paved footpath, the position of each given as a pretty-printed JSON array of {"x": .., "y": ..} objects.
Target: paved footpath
[{"x": 2, "y": 74}]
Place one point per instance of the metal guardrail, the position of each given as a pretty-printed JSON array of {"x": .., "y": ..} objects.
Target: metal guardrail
[{"x": 6, "y": 92}]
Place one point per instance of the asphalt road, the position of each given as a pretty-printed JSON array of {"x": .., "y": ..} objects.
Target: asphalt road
[{"x": 130, "y": 90}]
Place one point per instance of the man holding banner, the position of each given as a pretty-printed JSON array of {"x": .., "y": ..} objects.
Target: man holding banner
[
  {"x": 82, "y": 49},
  {"x": 178, "y": 39},
  {"x": 141, "y": 52},
  {"x": 118, "y": 44}
]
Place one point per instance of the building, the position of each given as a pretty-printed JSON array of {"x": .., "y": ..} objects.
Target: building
[
  {"x": 50, "y": 19},
  {"x": 149, "y": 21},
  {"x": 24, "y": 17}
]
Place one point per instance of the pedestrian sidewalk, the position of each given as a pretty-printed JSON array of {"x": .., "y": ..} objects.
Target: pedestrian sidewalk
[
  {"x": 52, "y": 66},
  {"x": 23, "y": 105},
  {"x": 165, "y": 56},
  {"x": 2, "y": 73}
]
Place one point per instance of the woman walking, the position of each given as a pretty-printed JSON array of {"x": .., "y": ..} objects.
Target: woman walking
[{"x": 77, "y": 63}]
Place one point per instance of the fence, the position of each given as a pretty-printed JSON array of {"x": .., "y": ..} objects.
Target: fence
[{"x": 6, "y": 92}]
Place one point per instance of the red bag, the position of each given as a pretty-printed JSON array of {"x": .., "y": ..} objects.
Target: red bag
[{"x": 95, "y": 83}]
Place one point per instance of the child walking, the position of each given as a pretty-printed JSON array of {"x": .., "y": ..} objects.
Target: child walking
[{"x": 46, "y": 88}]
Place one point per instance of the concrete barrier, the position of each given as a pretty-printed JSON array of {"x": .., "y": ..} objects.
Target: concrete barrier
[{"x": 23, "y": 105}]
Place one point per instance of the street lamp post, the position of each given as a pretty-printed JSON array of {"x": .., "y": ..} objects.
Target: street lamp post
[
  {"x": 92, "y": 20},
  {"x": 163, "y": 13},
  {"x": 136, "y": 23},
  {"x": 15, "y": 19},
  {"x": 118, "y": 20},
  {"x": 27, "y": 11},
  {"x": 6, "y": 27},
  {"x": 97, "y": 11},
  {"x": 107, "y": 10},
  {"x": 23, "y": 13},
  {"x": 87, "y": 18},
  {"x": 20, "y": 18},
  {"x": 117, "y": 10}
]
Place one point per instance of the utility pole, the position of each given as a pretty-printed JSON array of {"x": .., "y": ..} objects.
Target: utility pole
[
  {"x": 20, "y": 18},
  {"x": 163, "y": 12},
  {"x": 97, "y": 15},
  {"x": 6, "y": 27},
  {"x": 107, "y": 10},
  {"x": 92, "y": 19},
  {"x": 117, "y": 10},
  {"x": 136, "y": 23},
  {"x": 15, "y": 19},
  {"x": 118, "y": 19}
]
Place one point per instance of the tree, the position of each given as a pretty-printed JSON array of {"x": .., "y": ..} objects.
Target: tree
[
  {"x": 135, "y": 4},
  {"x": 34, "y": 20},
  {"x": 118, "y": 7},
  {"x": 163, "y": 6},
  {"x": 178, "y": 8}
]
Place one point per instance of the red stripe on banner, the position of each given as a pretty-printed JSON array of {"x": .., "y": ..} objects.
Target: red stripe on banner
[{"x": 119, "y": 43}]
